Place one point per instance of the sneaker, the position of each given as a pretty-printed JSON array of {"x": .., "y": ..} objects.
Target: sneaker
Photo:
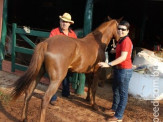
[
  {"x": 110, "y": 112},
  {"x": 53, "y": 103},
  {"x": 114, "y": 119},
  {"x": 68, "y": 97}
]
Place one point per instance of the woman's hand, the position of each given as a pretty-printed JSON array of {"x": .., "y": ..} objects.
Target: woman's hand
[
  {"x": 134, "y": 66},
  {"x": 103, "y": 64}
]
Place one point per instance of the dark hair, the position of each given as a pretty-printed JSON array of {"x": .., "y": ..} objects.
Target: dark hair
[{"x": 125, "y": 23}]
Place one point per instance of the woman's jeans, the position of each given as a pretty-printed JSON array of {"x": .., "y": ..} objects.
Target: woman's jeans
[{"x": 120, "y": 91}]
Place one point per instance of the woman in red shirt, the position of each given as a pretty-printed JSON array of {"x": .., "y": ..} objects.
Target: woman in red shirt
[{"x": 122, "y": 72}]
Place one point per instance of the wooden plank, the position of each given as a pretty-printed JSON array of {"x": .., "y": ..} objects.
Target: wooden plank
[
  {"x": 24, "y": 50},
  {"x": 21, "y": 67},
  {"x": 28, "y": 40},
  {"x": 33, "y": 33}
]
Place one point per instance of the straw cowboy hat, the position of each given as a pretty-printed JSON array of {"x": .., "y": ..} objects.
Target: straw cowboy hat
[{"x": 66, "y": 17}]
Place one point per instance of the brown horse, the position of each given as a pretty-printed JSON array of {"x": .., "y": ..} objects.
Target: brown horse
[{"x": 57, "y": 54}]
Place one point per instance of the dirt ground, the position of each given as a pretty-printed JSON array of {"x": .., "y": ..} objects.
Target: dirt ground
[{"x": 75, "y": 110}]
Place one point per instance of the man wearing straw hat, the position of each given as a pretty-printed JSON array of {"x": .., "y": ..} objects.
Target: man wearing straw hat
[{"x": 65, "y": 22}]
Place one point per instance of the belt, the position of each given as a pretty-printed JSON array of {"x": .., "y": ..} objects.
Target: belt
[{"x": 118, "y": 67}]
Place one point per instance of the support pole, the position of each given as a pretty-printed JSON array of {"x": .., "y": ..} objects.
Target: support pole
[
  {"x": 79, "y": 78},
  {"x": 88, "y": 17}
]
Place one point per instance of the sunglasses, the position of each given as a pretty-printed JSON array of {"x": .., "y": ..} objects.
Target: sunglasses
[{"x": 122, "y": 29}]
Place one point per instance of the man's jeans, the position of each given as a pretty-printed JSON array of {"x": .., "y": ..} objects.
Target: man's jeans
[{"x": 120, "y": 91}]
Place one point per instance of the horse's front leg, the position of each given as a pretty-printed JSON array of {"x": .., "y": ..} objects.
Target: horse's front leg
[
  {"x": 89, "y": 81},
  {"x": 92, "y": 86},
  {"x": 93, "y": 90}
]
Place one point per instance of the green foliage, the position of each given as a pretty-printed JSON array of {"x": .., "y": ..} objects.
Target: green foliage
[{"x": 4, "y": 98}]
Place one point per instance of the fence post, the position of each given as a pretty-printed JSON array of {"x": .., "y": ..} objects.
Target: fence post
[
  {"x": 4, "y": 32},
  {"x": 14, "y": 26}
]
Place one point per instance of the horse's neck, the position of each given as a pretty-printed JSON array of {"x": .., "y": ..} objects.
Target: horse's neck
[
  {"x": 106, "y": 31},
  {"x": 103, "y": 38},
  {"x": 106, "y": 37},
  {"x": 90, "y": 38},
  {"x": 97, "y": 37},
  {"x": 102, "y": 35}
]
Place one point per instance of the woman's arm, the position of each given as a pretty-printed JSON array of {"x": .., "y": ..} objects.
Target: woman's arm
[
  {"x": 116, "y": 61},
  {"x": 120, "y": 59}
]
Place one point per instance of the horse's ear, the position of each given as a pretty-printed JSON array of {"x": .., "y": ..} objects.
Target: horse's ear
[
  {"x": 118, "y": 20},
  {"x": 109, "y": 18}
]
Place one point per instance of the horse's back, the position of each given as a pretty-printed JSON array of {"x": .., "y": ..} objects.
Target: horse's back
[
  {"x": 60, "y": 41},
  {"x": 80, "y": 55}
]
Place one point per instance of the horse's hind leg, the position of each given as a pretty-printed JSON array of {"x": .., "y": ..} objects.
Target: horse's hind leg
[
  {"x": 48, "y": 94},
  {"x": 57, "y": 70},
  {"x": 56, "y": 78},
  {"x": 28, "y": 94}
]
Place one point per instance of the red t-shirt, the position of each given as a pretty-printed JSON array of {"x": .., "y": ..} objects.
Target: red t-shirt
[
  {"x": 126, "y": 46},
  {"x": 58, "y": 31}
]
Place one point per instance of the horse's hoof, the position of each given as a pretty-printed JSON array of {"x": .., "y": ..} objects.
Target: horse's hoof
[
  {"x": 95, "y": 107},
  {"x": 101, "y": 85},
  {"x": 88, "y": 99},
  {"x": 24, "y": 120}
]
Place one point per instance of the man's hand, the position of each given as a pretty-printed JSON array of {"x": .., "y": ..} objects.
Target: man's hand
[
  {"x": 134, "y": 66},
  {"x": 112, "y": 51},
  {"x": 103, "y": 64}
]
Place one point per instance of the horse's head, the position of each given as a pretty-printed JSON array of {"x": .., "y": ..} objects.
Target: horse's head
[
  {"x": 107, "y": 30},
  {"x": 115, "y": 26}
]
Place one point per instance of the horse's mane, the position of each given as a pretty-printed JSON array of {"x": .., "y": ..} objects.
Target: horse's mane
[
  {"x": 98, "y": 32},
  {"x": 104, "y": 25}
]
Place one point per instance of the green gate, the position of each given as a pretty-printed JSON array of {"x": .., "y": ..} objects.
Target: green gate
[
  {"x": 86, "y": 29},
  {"x": 15, "y": 48}
]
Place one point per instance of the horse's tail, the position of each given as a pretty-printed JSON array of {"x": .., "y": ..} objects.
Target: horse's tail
[{"x": 33, "y": 70}]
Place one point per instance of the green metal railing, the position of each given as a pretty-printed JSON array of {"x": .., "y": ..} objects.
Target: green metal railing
[{"x": 15, "y": 48}]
